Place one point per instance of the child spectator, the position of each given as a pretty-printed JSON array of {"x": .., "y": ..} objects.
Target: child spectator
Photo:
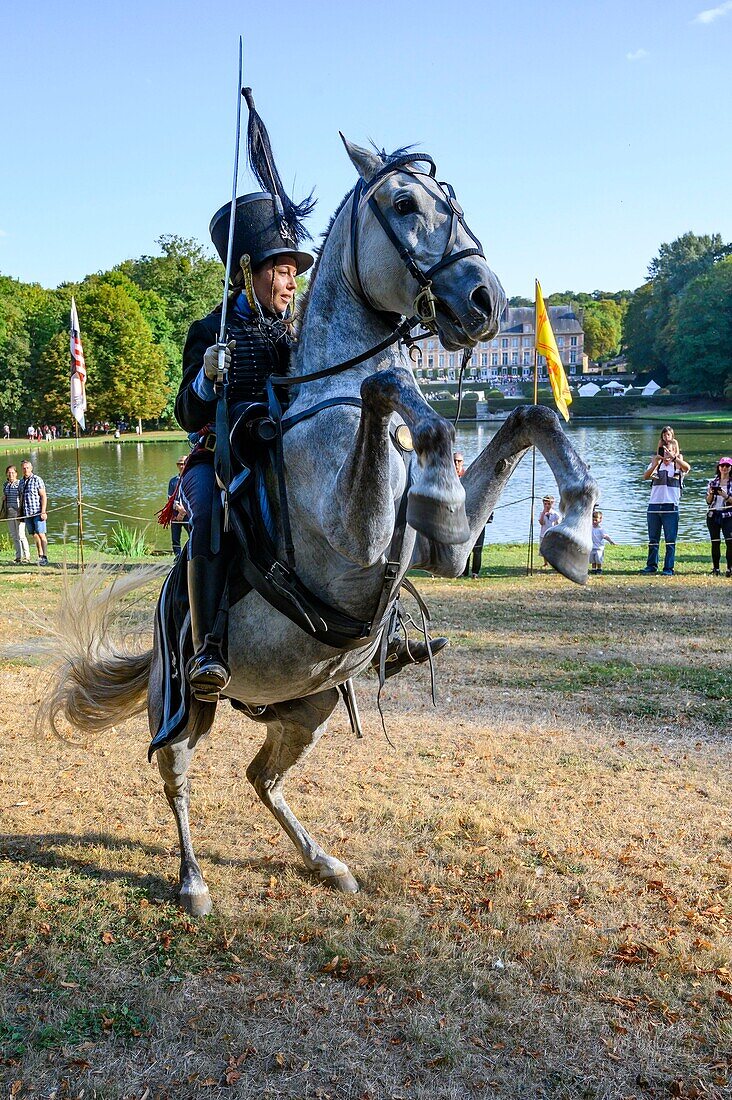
[
  {"x": 597, "y": 552},
  {"x": 548, "y": 518}
]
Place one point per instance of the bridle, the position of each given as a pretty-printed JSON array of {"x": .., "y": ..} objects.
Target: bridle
[
  {"x": 425, "y": 302},
  {"x": 364, "y": 196}
]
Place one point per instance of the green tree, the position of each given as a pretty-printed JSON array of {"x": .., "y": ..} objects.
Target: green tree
[
  {"x": 47, "y": 317},
  {"x": 189, "y": 283},
  {"x": 154, "y": 310},
  {"x": 126, "y": 370},
  {"x": 187, "y": 279},
  {"x": 50, "y": 397},
  {"x": 14, "y": 350},
  {"x": 650, "y": 327},
  {"x": 602, "y": 322},
  {"x": 681, "y": 261},
  {"x": 639, "y": 333},
  {"x": 701, "y": 332}
]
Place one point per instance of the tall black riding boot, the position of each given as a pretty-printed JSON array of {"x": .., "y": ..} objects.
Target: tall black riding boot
[
  {"x": 401, "y": 653},
  {"x": 207, "y": 671}
]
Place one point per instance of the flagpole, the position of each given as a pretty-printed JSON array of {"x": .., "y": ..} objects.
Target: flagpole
[
  {"x": 545, "y": 341},
  {"x": 79, "y": 505},
  {"x": 530, "y": 556}
]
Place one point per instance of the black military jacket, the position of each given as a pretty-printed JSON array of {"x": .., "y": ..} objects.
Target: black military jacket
[{"x": 261, "y": 349}]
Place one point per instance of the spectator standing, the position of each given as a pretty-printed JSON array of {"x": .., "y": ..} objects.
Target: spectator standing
[
  {"x": 719, "y": 514},
  {"x": 177, "y": 523},
  {"x": 10, "y": 510},
  {"x": 475, "y": 558},
  {"x": 6, "y": 431},
  {"x": 31, "y": 433},
  {"x": 666, "y": 472},
  {"x": 548, "y": 518},
  {"x": 597, "y": 553},
  {"x": 33, "y": 508}
]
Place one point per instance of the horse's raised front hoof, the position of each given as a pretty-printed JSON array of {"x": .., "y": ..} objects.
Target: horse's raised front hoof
[
  {"x": 445, "y": 523},
  {"x": 563, "y": 553},
  {"x": 344, "y": 882},
  {"x": 196, "y": 903}
]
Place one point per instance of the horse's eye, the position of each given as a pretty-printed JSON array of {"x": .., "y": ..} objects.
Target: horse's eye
[{"x": 405, "y": 206}]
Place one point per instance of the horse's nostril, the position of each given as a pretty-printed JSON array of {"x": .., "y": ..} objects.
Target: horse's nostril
[{"x": 485, "y": 301}]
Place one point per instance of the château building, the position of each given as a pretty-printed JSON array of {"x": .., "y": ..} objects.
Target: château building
[{"x": 508, "y": 358}]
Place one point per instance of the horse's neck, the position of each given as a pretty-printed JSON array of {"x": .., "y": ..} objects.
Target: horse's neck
[{"x": 336, "y": 327}]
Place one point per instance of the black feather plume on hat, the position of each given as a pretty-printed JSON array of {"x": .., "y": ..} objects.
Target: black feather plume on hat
[{"x": 262, "y": 163}]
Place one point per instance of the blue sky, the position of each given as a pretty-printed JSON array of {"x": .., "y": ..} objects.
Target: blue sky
[{"x": 578, "y": 135}]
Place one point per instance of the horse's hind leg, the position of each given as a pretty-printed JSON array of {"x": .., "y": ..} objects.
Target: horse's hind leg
[
  {"x": 173, "y": 763},
  {"x": 293, "y": 731}
]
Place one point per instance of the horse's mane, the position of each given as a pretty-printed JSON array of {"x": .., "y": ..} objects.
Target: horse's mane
[{"x": 386, "y": 158}]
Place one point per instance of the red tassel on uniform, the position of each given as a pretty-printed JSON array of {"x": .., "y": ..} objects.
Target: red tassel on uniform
[{"x": 165, "y": 515}]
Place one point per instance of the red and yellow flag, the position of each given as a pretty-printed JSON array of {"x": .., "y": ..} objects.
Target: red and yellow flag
[{"x": 546, "y": 345}]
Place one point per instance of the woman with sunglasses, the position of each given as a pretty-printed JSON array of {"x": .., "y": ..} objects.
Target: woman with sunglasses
[{"x": 719, "y": 514}]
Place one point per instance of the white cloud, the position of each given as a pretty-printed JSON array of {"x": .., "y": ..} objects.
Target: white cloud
[
  {"x": 638, "y": 55},
  {"x": 3, "y": 233},
  {"x": 710, "y": 14}
]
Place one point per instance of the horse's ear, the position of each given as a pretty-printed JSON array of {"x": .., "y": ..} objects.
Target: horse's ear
[{"x": 366, "y": 162}]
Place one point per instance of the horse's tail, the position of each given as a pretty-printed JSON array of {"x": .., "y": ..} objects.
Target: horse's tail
[{"x": 98, "y": 680}]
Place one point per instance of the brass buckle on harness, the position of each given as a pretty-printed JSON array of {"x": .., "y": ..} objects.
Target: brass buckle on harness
[
  {"x": 209, "y": 443},
  {"x": 424, "y": 307}
]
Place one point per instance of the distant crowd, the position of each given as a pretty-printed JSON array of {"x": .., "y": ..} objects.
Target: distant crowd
[{"x": 47, "y": 433}]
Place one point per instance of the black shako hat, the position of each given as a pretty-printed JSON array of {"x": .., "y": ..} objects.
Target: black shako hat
[{"x": 259, "y": 232}]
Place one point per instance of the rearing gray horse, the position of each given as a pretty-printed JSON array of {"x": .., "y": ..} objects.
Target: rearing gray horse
[{"x": 345, "y": 482}]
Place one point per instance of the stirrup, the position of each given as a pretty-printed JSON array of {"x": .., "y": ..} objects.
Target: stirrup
[{"x": 208, "y": 675}]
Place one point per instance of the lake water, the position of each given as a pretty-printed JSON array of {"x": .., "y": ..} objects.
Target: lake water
[{"x": 131, "y": 478}]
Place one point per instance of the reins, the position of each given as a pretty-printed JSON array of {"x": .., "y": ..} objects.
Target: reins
[{"x": 400, "y": 332}]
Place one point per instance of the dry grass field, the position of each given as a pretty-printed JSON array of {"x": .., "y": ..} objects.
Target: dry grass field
[{"x": 545, "y": 861}]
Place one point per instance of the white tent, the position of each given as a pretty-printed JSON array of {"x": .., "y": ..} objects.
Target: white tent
[
  {"x": 650, "y": 389},
  {"x": 617, "y": 386},
  {"x": 588, "y": 390}
]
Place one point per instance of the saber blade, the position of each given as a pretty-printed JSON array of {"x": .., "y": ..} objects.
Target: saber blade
[{"x": 232, "y": 215}]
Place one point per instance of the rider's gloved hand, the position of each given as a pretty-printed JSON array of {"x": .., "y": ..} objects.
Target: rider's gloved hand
[{"x": 211, "y": 359}]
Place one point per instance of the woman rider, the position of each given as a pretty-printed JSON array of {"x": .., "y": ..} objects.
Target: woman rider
[
  {"x": 259, "y": 342},
  {"x": 258, "y": 338}
]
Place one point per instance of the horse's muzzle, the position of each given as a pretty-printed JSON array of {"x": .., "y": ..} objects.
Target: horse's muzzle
[{"x": 490, "y": 302}]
